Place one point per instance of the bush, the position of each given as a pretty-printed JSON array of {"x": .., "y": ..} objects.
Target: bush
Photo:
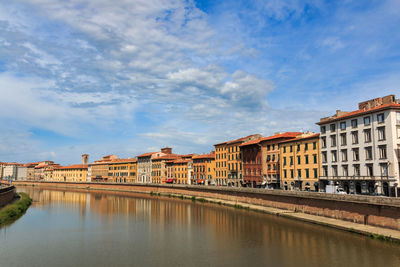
[{"x": 13, "y": 211}]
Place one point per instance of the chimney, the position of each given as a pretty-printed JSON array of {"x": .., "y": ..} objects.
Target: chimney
[
  {"x": 85, "y": 159},
  {"x": 166, "y": 150}
]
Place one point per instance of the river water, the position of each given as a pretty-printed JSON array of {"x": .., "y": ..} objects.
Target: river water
[{"x": 79, "y": 228}]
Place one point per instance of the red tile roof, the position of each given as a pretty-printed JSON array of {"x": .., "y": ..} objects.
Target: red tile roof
[
  {"x": 358, "y": 113},
  {"x": 147, "y": 154},
  {"x": 236, "y": 140},
  {"x": 272, "y": 137},
  {"x": 165, "y": 157},
  {"x": 282, "y": 135},
  {"x": 76, "y": 166},
  {"x": 300, "y": 138},
  {"x": 205, "y": 156}
]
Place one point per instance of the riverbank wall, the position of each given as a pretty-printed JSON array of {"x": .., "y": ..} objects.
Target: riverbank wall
[
  {"x": 7, "y": 194},
  {"x": 382, "y": 212}
]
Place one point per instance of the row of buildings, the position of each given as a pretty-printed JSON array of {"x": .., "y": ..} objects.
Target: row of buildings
[{"x": 358, "y": 151}]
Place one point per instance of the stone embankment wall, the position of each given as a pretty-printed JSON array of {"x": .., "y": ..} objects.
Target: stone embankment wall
[
  {"x": 6, "y": 195},
  {"x": 369, "y": 210}
]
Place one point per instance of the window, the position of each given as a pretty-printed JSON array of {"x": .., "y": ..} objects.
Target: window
[
  {"x": 354, "y": 123},
  {"x": 343, "y": 125},
  {"x": 314, "y": 145},
  {"x": 291, "y": 174},
  {"x": 333, "y": 127},
  {"x": 368, "y": 153},
  {"x": 380, "y": 118},
  {"x": 382, "y": 152},
  {"x": 356, "y": 154},
  {"x": 384, "y": 169},
  {"x": 306, "y": 146},
  {"x": 356, "y": 169},
  {"x": 291, "y": 160},
  {"x": 334, "y": 156},
  {"x": 284, "y": 149},
  {"x": 285, "y": 173},
  {"x": 333, "y": 140},
  {"x": 291, "y": 148},
  {"x": 306, "y": 159},
  {"x": 343, "y": 139},
  {"x": 334, "y": 170},
  {"x": 299, "y": 173},
  {"x": 324, "y": 171},
  {"x": 315, "y": 158},
  {"x": 323, "y": 142},
  {"x": 370, "y": 170},
  {"x": 354, "y": 137},
  {"x": 323, "y": 129},
  {"x": 298, "y": 147},
  {"x": 345, "y": 170},
  {"x": 381, "y": 133},
  {"x": 344, "y": 154},
  {"x": 367, "y": 120},
  {"x": 284, "y": 161},
  {"x": 324, "y": 158},
  {"x": 307, "y": 173},
  {"x": 298, "y": 160},
  {"x": 367, "y": 135},
  {"x": 315, "y": 173}
]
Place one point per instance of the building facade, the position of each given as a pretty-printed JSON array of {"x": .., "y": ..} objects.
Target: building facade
[
  {"x": 71, "y": 173},
  {"x": 204, "y": 169},
  {"x": 229, "y": 169},
  {"x": 360, "y": 149},
  {"x": 122, "y": 170},
  {"x": 180, "y": 170},
  {"x": 300, "y": 163},
  {"x": 99, "y": 169}
]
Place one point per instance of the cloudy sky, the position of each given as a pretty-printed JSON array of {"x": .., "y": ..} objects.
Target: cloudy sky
[{"x": 130, "y": 76}]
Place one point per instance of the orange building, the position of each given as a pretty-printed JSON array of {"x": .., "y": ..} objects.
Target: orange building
[
  {"x": 159, "y": 171},
  {"x": 270, "y": 157},
  {"x": 229, "y": 169},
  {"x": 180, "y": 169},
  {"x": 122, "y": 170},
  {"x": 99, "y": 169},
  {"x": 204, "y": 169},
  {"x": 300, "y": 164}
]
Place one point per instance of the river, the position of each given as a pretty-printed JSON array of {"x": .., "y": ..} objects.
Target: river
[{"x": 96, "y": 228}]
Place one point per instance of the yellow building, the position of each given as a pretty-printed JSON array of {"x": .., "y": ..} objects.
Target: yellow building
[
  {"x": 122, "y": 170},
  {"x": 300, "y": 162},
  {"x": 159, "y": 170},
  {"x": 229, "y": 161},
  {"x": 204, "y": 169},
  {"x": 220, "y": 163},
  {"x": 72, "y": 173},
  {"x": 99, "y": 169},
  {"x": 180, "y": 171}
]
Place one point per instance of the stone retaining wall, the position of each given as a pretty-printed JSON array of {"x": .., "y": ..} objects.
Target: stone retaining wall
[
  {"x": 6, "y": 195},
  {"x": 377, "y": 211}
]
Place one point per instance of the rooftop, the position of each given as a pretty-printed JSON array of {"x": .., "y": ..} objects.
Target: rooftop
[{"x": 373, "y": 105}]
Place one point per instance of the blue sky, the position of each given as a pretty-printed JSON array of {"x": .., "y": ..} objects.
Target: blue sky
[{"x": 126, "y": 77}]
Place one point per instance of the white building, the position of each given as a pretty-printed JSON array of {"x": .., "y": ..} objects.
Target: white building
[
  {"x": 360, "y": 150},
  {"x": 10, "y": 171},
  {"x": 22, "y": 172}
]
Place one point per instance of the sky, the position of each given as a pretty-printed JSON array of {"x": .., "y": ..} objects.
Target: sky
[{"x": 126, "y": 77}]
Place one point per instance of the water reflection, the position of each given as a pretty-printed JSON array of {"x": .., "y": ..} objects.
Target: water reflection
[{"x": 144, "y": 230}]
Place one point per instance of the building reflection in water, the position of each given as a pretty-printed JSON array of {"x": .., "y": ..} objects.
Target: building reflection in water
[{"x": 270, "y": 237}]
